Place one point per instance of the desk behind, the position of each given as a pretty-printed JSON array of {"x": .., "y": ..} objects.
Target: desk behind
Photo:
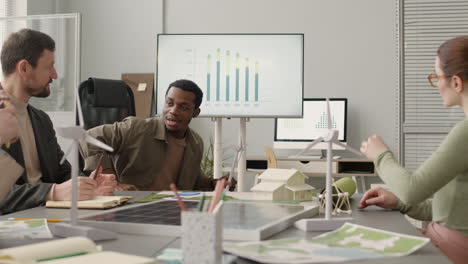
[
  {"x": 145, "y": 245},
  {"x": 316, "y": 167}
]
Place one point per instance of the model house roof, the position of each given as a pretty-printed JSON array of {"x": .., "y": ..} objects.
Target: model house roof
[
  {"x": 266, "y": 186},
  {"x": 282, "y": 175},
  {"x": 300, "y": 187}
]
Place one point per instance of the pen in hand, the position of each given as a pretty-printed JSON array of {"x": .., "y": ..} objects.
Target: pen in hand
[
  {"x": 98, "y": 171},
  {"x": 179, "y": 200}
]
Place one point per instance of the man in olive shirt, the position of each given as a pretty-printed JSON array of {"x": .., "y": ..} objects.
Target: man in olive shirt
[{"x": 154, "y": 152}]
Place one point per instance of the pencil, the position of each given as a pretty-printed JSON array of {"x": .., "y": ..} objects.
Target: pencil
[
  {"x": 48, "y": 219},
  {"x": 98, "y": 168},
  {"x": 179, "y": 201},
  {"x": 217, "y": 193},
  {"x": 218, "y": 206}
]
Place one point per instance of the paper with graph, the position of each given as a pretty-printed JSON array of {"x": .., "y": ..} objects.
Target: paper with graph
[
  {"x": 349, "y": 242},
  {"x": 19, "y": 229}
]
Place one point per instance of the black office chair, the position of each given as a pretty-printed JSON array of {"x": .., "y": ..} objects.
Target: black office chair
[{"x": 105, "y": 101}]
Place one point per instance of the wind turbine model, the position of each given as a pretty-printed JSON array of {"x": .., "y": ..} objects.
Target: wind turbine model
[
  {"x": 327, "y": 223},
  {"x": 235, "y": 161},
  {"x": 77, "y": 133}
]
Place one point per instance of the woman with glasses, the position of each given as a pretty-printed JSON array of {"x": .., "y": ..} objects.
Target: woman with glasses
[{"x": 438, "y": 190}]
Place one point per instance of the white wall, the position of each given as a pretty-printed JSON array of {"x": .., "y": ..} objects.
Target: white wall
[
  {"x": 350, "y": 51},
  {"x": 117, "y": 36},
  {"x": 42, "y": 7}
]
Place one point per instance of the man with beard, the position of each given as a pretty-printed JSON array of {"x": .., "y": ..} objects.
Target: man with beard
[
  {"x": 152, "y": 153},
  {"x": 27, "y": 59}
]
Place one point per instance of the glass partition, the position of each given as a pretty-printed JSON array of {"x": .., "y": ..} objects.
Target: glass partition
[{"x": 65, "y": 30}]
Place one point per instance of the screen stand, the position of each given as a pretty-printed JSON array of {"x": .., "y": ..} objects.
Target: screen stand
[
  {"x": 218, "y": 151},
  {"x": 218, "y": 148},
  {"x": 241, "y": 165}
]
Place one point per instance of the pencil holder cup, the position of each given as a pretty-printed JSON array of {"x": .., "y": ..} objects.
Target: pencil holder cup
[{"x": 202, "y": 240}]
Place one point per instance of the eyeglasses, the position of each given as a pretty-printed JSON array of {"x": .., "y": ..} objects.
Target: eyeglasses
[{"x": 434, "y": 79}]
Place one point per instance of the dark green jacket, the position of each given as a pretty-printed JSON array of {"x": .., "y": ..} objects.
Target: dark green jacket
[{"x": 24, "y": 195}]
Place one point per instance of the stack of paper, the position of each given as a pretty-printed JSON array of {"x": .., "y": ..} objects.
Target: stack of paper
[
  {"x": 29, "y": 229},
  {"x": 76, "y": 250},
  {"x": 349, "y": 242}
]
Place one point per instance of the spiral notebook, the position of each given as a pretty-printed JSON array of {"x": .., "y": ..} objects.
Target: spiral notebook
[{"x": 99, "y": 202}]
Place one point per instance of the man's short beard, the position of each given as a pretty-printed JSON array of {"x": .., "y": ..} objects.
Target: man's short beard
[
  {"x": 45, "y": 92},
  {"x": 41, "y": 94}
]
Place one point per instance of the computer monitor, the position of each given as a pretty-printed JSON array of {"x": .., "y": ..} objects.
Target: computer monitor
[
  {"x": 241, "y": 75},
  {"x": 298, "y": 133}
]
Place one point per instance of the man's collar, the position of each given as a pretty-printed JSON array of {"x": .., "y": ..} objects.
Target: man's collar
[
  {"x": 160, "y": 129},
  {"x": 161, "y": 132}
]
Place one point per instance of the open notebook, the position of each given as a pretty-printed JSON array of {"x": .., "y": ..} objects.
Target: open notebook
[
  {"x": 99, "y": 202},
  {"x": 75, "y": 250}
]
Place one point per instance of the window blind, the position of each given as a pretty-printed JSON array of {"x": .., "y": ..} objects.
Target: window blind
[{"x": 426, "y": 25}]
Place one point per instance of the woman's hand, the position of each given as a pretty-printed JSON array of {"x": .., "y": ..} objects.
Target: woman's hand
[
  {"x": 373, "y": 147},
  {"x": 379, "y": 197}
]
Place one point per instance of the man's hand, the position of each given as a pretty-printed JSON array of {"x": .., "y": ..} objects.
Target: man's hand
[
  {"x": 373, "y": 147},
  {"x": 106, "y": 183},
  {"x": 232, "y": 184},
  {"x": 125, "y": 187},
  {"x": 380, "y": 197},
  {"x": 86, "y": 188}
]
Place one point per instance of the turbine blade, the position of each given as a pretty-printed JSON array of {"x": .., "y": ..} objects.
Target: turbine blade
[
  {"x": 66, "y": 154},
  {"x": 98, "y": 143},
  {"x": 348, "y": 148},
  {"x": 315, "y": 142}
]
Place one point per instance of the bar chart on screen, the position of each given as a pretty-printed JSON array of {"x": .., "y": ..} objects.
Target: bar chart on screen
[{"x": 240, "y": 75}]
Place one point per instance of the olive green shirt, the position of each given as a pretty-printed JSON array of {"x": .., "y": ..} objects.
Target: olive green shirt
[
  {"x": 444, "y": 177},
  {"x": 140, "y": 150}
]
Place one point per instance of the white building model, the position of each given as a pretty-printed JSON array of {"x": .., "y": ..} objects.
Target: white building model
[{"x": 282, "y": 184}]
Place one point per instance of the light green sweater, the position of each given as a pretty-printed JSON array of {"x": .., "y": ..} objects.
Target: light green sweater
[{"x": 444, "y": 176}]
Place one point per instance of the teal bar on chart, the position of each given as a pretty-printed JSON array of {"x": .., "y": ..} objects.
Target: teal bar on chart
[
  {"x": 256, "y": 81},
  {"x": 208, "y": 78},
  {"x": 237, "y": 76},
  {"x": 218, "y": 73},
  {"x": 228, "y": 71},
  {"x": 247, "y": 79}
]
